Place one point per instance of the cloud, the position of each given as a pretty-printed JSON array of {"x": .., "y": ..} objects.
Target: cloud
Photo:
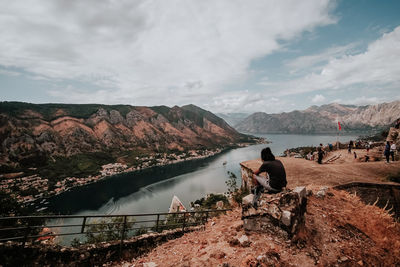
[
  {"x": 363, "y": 100},
  {"x": 305, "y": 62},
  {"x": 245, "y": 101},
  {"x": 318, "y": 99},
  {"x": 9, "y": 72},
  {"x": 149, "y": 52},
  {"x": 377, "y": 67}
]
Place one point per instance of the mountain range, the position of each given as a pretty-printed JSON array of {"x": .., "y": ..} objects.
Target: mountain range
[
  {"x": 233, "y": 118},
  {"x": 323, "y": 119},
  {"x": 31, "y": 131}
]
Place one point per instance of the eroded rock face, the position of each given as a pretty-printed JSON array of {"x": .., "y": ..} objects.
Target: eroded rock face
[
  {"x": 394, "y": 136},
  {"x": 322, "y": 119},
  {"x": 64, "y": 130},
  {"x": 276, "y": 212}
]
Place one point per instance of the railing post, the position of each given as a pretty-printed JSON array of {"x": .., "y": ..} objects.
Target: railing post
[
  {"x": 158, "y": 221},
  {"x": 122, "y": 236},
  {"x": 27, "y": 231},
  {"x": 184, "y": 222},
  {"x": 83, "y": 225}
]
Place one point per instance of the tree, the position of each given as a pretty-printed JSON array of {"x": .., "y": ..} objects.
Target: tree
[{"x": 236, "y": 193}]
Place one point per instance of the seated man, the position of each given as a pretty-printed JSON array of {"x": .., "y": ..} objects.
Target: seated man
[{"x": 276, "y": 175}]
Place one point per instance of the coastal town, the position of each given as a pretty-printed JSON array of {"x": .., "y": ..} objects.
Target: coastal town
[{"x": 27, "y": 189}]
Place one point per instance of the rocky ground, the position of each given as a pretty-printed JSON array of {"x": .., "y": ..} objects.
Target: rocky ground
[{"x": 339, "y": 231}]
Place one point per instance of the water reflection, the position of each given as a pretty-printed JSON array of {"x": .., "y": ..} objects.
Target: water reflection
[{"x": 112, "y": 189}]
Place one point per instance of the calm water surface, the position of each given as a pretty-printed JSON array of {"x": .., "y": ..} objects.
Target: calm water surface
[{"x": 151, "y": 190}]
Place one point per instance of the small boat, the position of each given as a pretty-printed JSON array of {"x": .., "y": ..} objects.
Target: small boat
[
  {"x": 41, "y": 209},
  {"x": 224, "y": 163},
  {"x": 176, "y": 205}
]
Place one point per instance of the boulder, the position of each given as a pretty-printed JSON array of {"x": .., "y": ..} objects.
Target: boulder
[
  {"x": 301, "y": 191},
  {"x": 322, "y": 192},
  {"x": 248, "y": 200}
]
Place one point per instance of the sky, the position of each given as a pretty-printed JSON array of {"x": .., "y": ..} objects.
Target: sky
[{"x": 224, "y": 56}]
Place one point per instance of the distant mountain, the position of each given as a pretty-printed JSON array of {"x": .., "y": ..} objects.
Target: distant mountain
[
  {"x": 233, "y": 118},
  {"x": 323, "y": 119},
  {"x": 32, "y": 131}
]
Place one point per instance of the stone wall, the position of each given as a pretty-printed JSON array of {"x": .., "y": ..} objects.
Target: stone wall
[
  {"x": 247, "y": 178},
  {"x": 278, "y": 213},
  {"x": 383, "y": 195},
  {"x": 14, "y": 254}
]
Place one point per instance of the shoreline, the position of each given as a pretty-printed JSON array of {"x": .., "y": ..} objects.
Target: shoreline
[{"x": 36, "y": 204}]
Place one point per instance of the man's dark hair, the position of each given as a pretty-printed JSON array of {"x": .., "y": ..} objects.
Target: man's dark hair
[{"x": 266, "y": 154}]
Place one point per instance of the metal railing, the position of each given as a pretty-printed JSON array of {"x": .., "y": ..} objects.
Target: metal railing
[{"x": 30, "y": 228}]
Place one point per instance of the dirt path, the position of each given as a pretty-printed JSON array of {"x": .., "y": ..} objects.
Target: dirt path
[{"x": 346, "y": 169}]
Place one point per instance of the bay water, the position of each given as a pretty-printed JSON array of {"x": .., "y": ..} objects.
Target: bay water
[{"x": 151, "y": 190}]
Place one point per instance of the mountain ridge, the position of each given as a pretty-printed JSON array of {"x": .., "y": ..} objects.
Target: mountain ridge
[
  {"x": 29, "y": 131},
  {"x": 323, "y": 119}
]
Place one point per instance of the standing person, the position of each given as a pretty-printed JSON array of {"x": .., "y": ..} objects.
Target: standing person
[
  {"x": 350, "y": 146},
  {"x": 276, "y": 174},
  {"x": 387, "y": 151},
  {"x": 367, "y": 147},
  {"x": 320, "y": 153},
  {"x": 392, "y": 150},
  {"x": 330, "y": 147}
]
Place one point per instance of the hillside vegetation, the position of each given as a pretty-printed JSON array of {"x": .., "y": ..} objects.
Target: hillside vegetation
[{"x": 62, "y": 140}]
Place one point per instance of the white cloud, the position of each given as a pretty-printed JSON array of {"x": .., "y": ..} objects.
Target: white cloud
[
  {"x": 305, "y": 62},
  {"x": 245, "y": 101},
  {"x": 318, "y": 99},
  {"x": 363, "y": 100},
  {"x": 149, "y": 52},
  {"x": 377, "y": 67},
  {"x": 9, "y": 72}
]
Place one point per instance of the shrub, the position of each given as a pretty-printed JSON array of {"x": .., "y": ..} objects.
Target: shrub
[
  {"x": 236, "y": 193},
  {"x": 107, "y": 229}
]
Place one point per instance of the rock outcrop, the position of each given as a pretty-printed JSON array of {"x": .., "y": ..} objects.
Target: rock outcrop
[
  {"x": 276, "y": 212},
  {"x": 33, "y": 131},
  {"x": 394, "y": 136}
]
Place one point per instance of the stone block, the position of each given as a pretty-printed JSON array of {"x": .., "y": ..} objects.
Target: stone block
[
  {"x": 244, "y": 241},
  {"x": 279, "y": 212},
  {"x": 248, "y": 200},
  {"x": 301, "y": 191},
  {"x": 286, "y": 217},
  {"x": 322, "y": 192}
]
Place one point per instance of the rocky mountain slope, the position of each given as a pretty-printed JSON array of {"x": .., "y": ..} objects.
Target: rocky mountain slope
[
  {"x": 323, "y": 119},
  {"x": 233, "y": 118},
  {"x": 30, "y": 132}
]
